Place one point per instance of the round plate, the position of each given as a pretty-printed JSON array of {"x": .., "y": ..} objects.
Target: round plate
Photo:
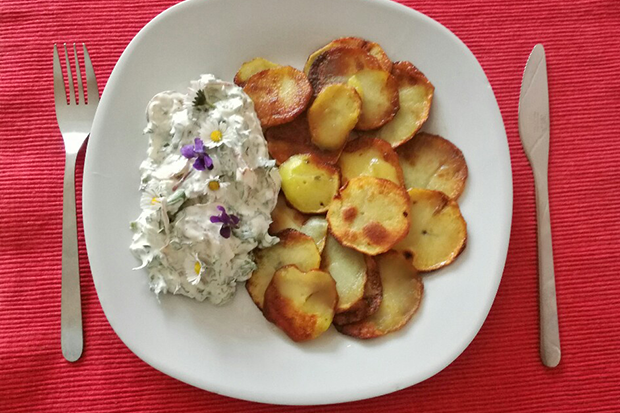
[{"x": 233, "y": 350}]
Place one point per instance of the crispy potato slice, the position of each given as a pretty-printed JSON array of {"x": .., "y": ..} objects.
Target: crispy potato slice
[
  {"x": 293, "y": 138},
  {"x": 252, "y": 67},
  {"x": 379, "y": 92},
  {"x": 309, "y": 184},
  {"x": 432, "y": 162},
  {"x": 370, "y": 157},
  {"x": 438, "y": 232},
  {"x": 348, "y": 268},
  {"x": 369, "y": 214},
  {"x": 283, "y": 217},
  {"x": 402, "y": 295},
  {"x": 301, "y": 303},
  {"x": 294, "y": 248},
  {"x": 337, "y": 65},
  {"x": 354, "y": 42},
  {"x": 279, "y": 94},
  {"x": 333, "y": 115},
  {"x": 415, "y": 95},
  {"x": 316, "y": 228},
  {"x": 371, "y": 300}
]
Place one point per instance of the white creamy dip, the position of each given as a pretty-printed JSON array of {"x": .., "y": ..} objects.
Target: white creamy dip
[{"x": 174, "y": 237}]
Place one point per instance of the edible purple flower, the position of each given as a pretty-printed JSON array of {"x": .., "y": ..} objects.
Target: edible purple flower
[
  {"x": 228, "y": 221},
  {"x": 197, "y": 150}
]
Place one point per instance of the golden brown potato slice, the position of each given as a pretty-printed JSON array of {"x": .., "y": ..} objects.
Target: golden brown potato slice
[
  {"x": 301, "y": 303},
  {"x": 354, "y": 42},
  {"x": 348, "y": 268},
  {"x": 369, "y": 214},
  {"x": 309, "y": 184},
  {"x": 432, "y": 162},
  {"x": 370, "y": 157},
  {"x": 438, "y": 231},
  {"x": 369, "y": 304},
  {"x": 293, "y": 138},
  {"x": 379, "y": 92},
  {"x": 279, "y": 94},
  {"x": 415, "y": 95},
  {"x": 252, "y": 67},
  {"x": 294, "y": 248},
  {"x": 284, "y": 217},
  {"x": 316, "y": 228},
  {"x": 333, "y": 115},
  {"x": 402, "y": 295},
  {"x": 337, "y": 65}
]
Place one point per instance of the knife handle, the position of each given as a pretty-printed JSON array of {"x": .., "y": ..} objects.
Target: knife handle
[{"x": 549, "y": 328}]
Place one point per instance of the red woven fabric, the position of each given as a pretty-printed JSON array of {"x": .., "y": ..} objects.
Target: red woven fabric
[{"x": 500, "y": 371}]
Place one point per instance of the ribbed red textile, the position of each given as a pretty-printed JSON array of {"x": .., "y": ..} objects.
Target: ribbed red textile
[{"x": 499, "y": 372}]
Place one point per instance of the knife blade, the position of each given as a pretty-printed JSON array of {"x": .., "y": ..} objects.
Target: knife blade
[{"x": 534, "y": 132}]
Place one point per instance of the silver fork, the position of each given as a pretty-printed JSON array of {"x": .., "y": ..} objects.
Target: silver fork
[{"x": 75, "y": 120}]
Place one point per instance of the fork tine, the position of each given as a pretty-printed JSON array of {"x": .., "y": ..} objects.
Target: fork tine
[
  {"x": 69, "y": 77},
  {"x": 60, "y": 94},
  {"x": 91, "y": 80},
  {"x": 78, "y": 71}
]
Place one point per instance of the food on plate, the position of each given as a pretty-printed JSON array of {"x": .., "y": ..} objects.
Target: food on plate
[
  {"x": 333, "y": 115},
  {"x": 337, "y": 65},
  {"x": 208, "y": 189},
  {"x": 370, "y": 157},
  {"x": 252, "y": 67},
  {"x": 370, "y": 214},
  {"x": 438, "y": 231},
  {"x": 279, "y": 94},
  {"x": 432, "y": 162},
  {"x": 354, "y": 42},
  {"x": 301, "y": 303},
  {"x": 293, "y": 138},
  {"x": 415, "y": 95},
  {"x": 294, "y": 248},
  {"x": 379, "y": 92},
  {"x": 283, "y": 217},
  {"x": 316, "y": 228},
  {"x": 402, "y": 295},
  {"x": 369, "y": 304},
  {"x": 309, "y": 184}
]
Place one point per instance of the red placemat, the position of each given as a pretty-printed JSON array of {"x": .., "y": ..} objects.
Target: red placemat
[{"x": 499, "y": 371}]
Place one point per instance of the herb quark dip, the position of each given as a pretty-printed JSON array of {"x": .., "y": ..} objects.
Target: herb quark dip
[{"x": 208, "y": 189}]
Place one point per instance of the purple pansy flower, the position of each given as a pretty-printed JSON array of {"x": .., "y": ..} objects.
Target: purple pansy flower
[
  {"x": 197, "y": 150},
  {"x": 228, "y": 221}
]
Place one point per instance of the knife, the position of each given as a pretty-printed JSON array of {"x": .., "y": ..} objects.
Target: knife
[{"x": 534, "y": 131}]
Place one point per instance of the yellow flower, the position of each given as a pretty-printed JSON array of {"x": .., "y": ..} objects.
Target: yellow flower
[
  {"x": 216, "y": 136},
  {"x": 197, "y": 267},
  {"x": 155, "y": 200},
  {"x": 214, "y": 185}
]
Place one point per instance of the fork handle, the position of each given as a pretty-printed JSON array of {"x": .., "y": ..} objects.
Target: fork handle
[
  {"x": 71, "y": 304},
  {"x": 549, "y": 327}
]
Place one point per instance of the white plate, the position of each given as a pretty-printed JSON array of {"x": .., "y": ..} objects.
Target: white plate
[{"x": 233, "y": 350}]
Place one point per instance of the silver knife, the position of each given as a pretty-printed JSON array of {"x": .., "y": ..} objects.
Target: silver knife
[{"x": 534, "y": 131}]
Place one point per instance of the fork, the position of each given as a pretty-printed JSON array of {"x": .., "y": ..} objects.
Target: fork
[{"x": 74, "y": 120}]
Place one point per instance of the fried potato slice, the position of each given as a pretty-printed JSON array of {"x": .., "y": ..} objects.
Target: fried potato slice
[
  {"x": 415, "y": 95},
  {"x": 333, "y": 115},
  {"x": 348, "y": 268},
  {"x": 402, "y": 295},
  {"x": 438, "y": 232},
  {"x": 432, "y": 162},
  {"x": 309, "y": 184},
  {"x": 284, "y": 217},
  {"x": 371, "y": 300},
  {"x": 316, "y": 228},
  {"x": 337, "y": 65},
  {"x": 379, "y": 92},
  {"x": 354, "y": 42},
  {"x": 301, "y": 303},
  {"x": 370, "y": 157},
  {"x": 293, "y": 138},
  {"x": 369, "y": 214},
  {"x": 294, "y": 248},
  {"x": 279, "y": 94},
  {"x": 252, "y": 67}
]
